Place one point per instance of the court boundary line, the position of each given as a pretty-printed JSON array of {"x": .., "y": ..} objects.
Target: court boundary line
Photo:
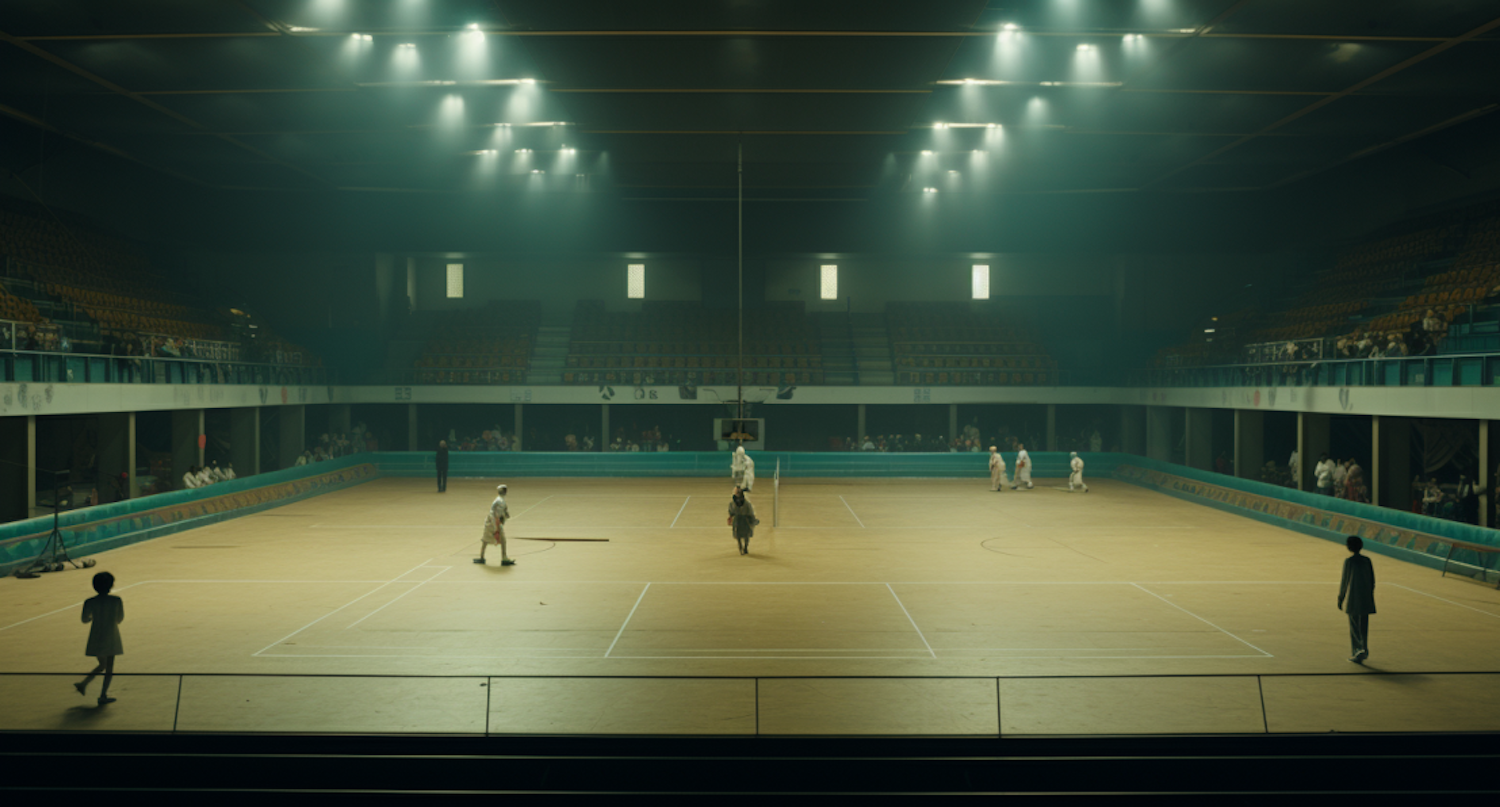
[
  {"x": 679, "y": 512},
  {"x": 851, "y": 512},
  {"x": 1201, "y": 619},
  {"x": 341, "y": 607},
  {"x": 784, "y": 658},
  {"x": 1442, "y": 599},
  {"x": 624, "y": 624},
  {"x": 441, "y": 569},
  {"x": 913, "y": 622}
]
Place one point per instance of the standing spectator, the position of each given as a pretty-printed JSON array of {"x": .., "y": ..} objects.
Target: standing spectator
[
  {"x": 1467, "y": 501},
  {"x": 1340, "y": 472},
  {"x": 1294, "y": 467},
  {"x": 1323, "y": 473},
  {"x": 442, "y": 466},
  {"x": 1357, "y": 586},
  {"x": 105, "y": 612}
]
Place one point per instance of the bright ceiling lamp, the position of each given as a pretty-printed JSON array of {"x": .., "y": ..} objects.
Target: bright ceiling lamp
[
  {"x": 448, "y": 82},
  {"x": 985, "y": 82}
]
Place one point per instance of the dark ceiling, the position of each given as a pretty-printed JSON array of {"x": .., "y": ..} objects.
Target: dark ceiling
[{"x": 845, "y": 101}]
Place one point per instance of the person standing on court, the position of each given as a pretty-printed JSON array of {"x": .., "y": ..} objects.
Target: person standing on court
[
  {"x": 742, "y": 519},
  {"x": 442, "y": 466},
  {"x": 105, "y": 613},
  {"x": 1023, "y": 468},
  {"x": 494, "y": 528},
  {"x": 742, "y": 468},
  {"x": 997, "y": 470},
  {"x": 1075, "y": 475},
  {"x": 1357, "y": 598}
]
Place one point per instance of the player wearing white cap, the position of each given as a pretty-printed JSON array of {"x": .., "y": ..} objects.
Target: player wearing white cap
[
  {"x": 742, "y": 468},
  {"x": 494, "y": 528},
  {"x": 1023, "y": 468},
  {"x": 997, "y": 469},
  {"x": 1076, "y": 477}
]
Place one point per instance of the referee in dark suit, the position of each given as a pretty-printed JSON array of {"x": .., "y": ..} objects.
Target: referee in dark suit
[{"x": 442, "y": 466}]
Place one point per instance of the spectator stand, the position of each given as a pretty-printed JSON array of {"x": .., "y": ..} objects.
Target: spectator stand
[
  {"x": 950, "y": 344},
  {"x": 682, "y": 344}
]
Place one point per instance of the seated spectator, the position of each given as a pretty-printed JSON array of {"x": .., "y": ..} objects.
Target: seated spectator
[
  {"x": 1394, "y": 347},
  {"x": 1364, "y": 346},
  {"x": 1432, "y": 498},
  {"x": 1433, "y": 325},
  {"x": 191, "y": 480}
]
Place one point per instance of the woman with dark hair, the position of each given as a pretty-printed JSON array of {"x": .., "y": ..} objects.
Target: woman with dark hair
[{"x": 1358, "y": 587}]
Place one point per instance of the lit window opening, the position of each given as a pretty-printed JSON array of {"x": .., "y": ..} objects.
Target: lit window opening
[
  {"x": 981, "y": 281},
  {"x": 455, "y": 280},
  {"x": 635, "y": 281},
  {"x": 829, "y": 288}
]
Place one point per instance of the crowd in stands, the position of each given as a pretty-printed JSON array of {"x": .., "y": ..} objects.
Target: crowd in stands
[
  {"x": 332, "y": 445},
  {"x": 1401, "y": 294},
  {"x": 488, "y": 440},
  {"x": 681, "y": 344},
  {"x": 201, "y": 477},
  {"x": 970, "y": 439},
  {"x": 490, "y": 345},
  {"x": 107, "y": 292}
]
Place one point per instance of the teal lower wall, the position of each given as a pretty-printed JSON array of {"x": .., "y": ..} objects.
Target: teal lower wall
[
  {"x": 512, "y": 464},
  {"x": 1396, "y": 533},
  {"x": 107, "y": 526},
  {"x": 1409, "y": 536}
]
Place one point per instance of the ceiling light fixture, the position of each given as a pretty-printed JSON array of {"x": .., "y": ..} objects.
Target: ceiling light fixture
[
  {"x": 929, "y": 190},
  {"x": 1002, "y": 83}
]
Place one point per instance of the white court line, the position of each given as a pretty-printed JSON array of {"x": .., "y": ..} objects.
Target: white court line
[
  {"x": 627, "y": 619},
  {"x": 1201, "y": 619},
  {"x": 74, "y": 606},
  {"x": 909, "y": 619},
  {"x": 851, "y": 512},
  {"x": 712, "y": 658},
  {"x": 533, "y": 507},
  {"x": 399, "y": 596},
  {"x": 340, "y": 608},
  {"x": 1450, "y": 602},
  {"x": 679, "y": 512}
]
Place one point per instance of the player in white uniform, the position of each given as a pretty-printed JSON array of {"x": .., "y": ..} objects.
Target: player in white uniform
[
  {"x": 997, "y": 470},
  {"x": 1076, "y": 477},
  {"x": 742, "y": 468},
  {"x": 1023, "y": 468},
  {"x": 494, "y": 528}
]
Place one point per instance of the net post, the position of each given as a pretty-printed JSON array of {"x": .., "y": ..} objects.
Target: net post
[{"x": 776, "y": 496}]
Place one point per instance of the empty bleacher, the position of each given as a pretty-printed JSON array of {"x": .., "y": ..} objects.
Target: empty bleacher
[
  {"x": 489, "y": 345},
  {"x": 951, "y": 344},
  {"x": 682, "y": 344}
]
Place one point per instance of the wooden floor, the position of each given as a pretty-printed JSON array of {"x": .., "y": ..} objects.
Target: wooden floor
[{"x": 951, "y": 610}]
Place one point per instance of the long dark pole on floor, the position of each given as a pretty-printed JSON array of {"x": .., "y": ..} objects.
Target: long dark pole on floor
[{"x": 740, "y": 377}]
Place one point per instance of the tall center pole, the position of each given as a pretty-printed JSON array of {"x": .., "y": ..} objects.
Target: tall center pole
[{"x": 740, "y": 214}]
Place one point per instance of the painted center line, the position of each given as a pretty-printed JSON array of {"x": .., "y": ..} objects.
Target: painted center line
[
  {"x": 679, "y": 511},
  {"x": 852, "y": 513}
]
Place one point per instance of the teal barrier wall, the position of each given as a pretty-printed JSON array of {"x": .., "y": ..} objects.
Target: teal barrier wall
[
  {"x": 1397, "y": 533},
  {"x": 513, "y": 464},
  {"x": 107, "y": 526}
]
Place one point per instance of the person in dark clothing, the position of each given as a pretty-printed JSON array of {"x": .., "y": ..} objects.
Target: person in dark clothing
[
  {"x": 742, "y": 520},
  {"x": 442, "y": 466},
  {"x": 1358, "y": 586}
]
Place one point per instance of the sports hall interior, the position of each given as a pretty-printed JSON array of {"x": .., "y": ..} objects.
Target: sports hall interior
[{"x": 291, "y": 290}]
